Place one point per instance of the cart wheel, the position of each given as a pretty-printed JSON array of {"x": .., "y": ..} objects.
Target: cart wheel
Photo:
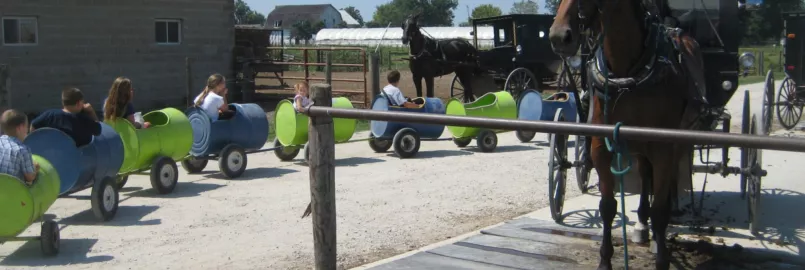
[
  {"x": 768, "y": 100},
  {"x": 50, "y": 239},
  {"x": 584, "y": 164},
  {"x": 285, "y": 153},
  {"x": 557, "y": 173},
  {"x": 105, "y": 199},
  {"x": 519, "y": 80},
  {"x": 457, "y": 90},
  {"x": 462, "y": 142},
  {"x": 406, "y": 143},
  {"x": 755, "y": 163},
  {"x": 745, "y": 122},
  {"x": 379, "y": 145},
  {"x": 525, "y": 136},
  {"x": 164, "y": 175},
  {"x": 232, "y": 161},
  {"x": 725, "y": 151},
  {"x": 194, "y": 165},
  {"x": 789, "y": 105},
  {"x": 487, "y": 141},
  {"x": 121, "y": 182}
]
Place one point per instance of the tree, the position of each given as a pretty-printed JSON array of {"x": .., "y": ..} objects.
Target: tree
[
  {"x": 245, "y": 15},
  {"x": 373, "y": 24},
  {"x": 765, "y": 22},
  {"x": 342, "y": 24},
  {"x": 465, "y": 24},
  {"x": 355, "y": 13},
  {"x": 552, "y": 5},
  {"x": 486, "y": 11},
  {"x": 304, "y": 30},
  {"x": 524, "y": 7},
  {"x": 433, "y": 12}
]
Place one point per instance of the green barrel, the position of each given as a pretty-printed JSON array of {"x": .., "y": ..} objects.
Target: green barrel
[
  {"x": 170, "y": 135},
  {"x": 21, "y": 205},
  {"x": 291, "y": 126},
  {"x": 491, "y": 105}
]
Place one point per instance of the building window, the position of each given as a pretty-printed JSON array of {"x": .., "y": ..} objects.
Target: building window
[
  {"x": 277, "y": 23},
  {"x": 168, "y": 31},
  {"x": 20, "y": 31}
]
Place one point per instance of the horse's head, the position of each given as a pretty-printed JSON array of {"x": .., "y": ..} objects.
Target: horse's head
[
  {"x": 572, "y": 18},
  {"x": 410, "y": 28}
]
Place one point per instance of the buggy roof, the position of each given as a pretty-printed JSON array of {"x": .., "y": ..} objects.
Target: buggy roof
[{"x": 521, "y": 18}]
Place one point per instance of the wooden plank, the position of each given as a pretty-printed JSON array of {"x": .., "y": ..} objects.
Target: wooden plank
[
  {"x": 527, "y": 248},
  {"x": 510, "y": 231},
  {"x": 424, "y": 260},
  {"x": 321, "y": 161},
  {"x": 502, "y": 257},
  {"x": 551, "y": 227}
]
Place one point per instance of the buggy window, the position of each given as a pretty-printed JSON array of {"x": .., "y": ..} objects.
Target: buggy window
[
  {"x": 503, "y": 34},
  {"x": 693, "y": 17}
]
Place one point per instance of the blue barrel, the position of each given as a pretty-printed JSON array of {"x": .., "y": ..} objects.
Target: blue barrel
[
  {"x": 78, "y": 168},
  {"x": 531, "y": 106},
  {"x": 248, "y": 128},
  {"x": 386, "y": 130}
]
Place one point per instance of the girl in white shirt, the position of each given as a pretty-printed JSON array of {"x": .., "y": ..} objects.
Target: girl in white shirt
[
  {"x": 212, "y": 100},
  {"x": 301, "y": 99}
]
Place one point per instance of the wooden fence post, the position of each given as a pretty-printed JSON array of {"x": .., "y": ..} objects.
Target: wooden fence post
[
  {"x": 328, "y": 69},
  {"x": 374, "y": 68},
  {"x": 189, "y": 75},
  {"x": 321, "y": 140},
  {"x": 5, "y": 90}
]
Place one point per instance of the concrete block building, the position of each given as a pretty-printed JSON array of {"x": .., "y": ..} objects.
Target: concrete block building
[{"x": 49, "y": 45}]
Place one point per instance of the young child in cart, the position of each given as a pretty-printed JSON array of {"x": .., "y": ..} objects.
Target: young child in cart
[
  {"x": 212, "y": 100},
  {"x": 302, "y": 98},
  {"x": 393, "y": 93},
  {"x": 15, "y": 157}
]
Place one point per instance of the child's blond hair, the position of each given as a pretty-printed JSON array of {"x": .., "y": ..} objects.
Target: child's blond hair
[{"x": 299, "y": 86}]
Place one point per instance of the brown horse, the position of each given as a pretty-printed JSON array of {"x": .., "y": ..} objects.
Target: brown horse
[{"x": 637, "y": 80}]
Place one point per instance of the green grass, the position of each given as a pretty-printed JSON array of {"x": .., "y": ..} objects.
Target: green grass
[
  {"x": 772, "y": 58},
  {"x": 362, "y": 125}
]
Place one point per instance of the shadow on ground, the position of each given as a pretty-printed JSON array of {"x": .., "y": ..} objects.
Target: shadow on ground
[
  {"x": 437, "y": 154},
  {"x": 255, "y": 173},
  {"x": 182, "y": 190},
  {"x": 72, "y": 252},
  {"x": 126, "y": 216}
]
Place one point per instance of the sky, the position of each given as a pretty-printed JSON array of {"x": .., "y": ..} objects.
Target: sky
[{"x": 367, "y": 7}]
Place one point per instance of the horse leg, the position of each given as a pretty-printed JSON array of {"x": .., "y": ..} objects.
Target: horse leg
[
  {"x": 465, "y": 79},
  {"x": 664, "y": 163},
  {"x": 641, "y": 234},
  {"x": 418, "y": 84},
  {"x": 429, "y": 86},
  {"x": 602, "y": 159}
]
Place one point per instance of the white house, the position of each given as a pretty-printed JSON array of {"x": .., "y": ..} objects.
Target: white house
[{"x": 285, "y": 16}]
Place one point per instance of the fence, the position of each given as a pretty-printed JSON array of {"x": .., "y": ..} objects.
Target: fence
[
  {"x": 312, "y": 57},
  {"x": 321, "y": 143}
]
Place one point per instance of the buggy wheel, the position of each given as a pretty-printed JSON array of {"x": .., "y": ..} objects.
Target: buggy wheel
[
  {"x": 584, "y": 163},
  {"x": 525, "y": 136},
  {"x": 487, "y": 140},
  {"x": 768, "y": 101},
  {"x": 121, "y": 181},
  {"x": 789, "y": 105},
  {"x": 232, "y": 162},
  {"x": 457, "y": 90},
  {"x": 194, "y": 165},
  {"x": 569, "y": 80},
  {"x": 725, "y": 151},
  {"x": 379, "y": 145},
  {"x": 105, "y": 199},
  {"x": 164, "y": 175},
  {"x": 557, "y": 172},
  {"x": 745, "y": 122},
  {"x": 463, "y": 142},
  {"x": 519, "y": 80},
  {"x": 406, "y": 143},
  {"x": 285, "y": 153},
  {"x": 49, "y": 238},
  {"x": 754, "y": 163}
]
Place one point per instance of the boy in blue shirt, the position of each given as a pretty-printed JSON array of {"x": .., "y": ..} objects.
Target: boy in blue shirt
[{"x": 76, "y": 118}]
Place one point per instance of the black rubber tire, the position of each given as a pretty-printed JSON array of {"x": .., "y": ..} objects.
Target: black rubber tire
[
  {"x": 487, "y": 141},
  {"x": 285, "y": 153},
  {"x": 194, "y": 165},
  {"x": 768, "y": 103},
  {"x": 232, "y": 161},
  {"x": 379, "y": 145},
  {"x": 557, "y": 171},
  {"x": 462, "y": 142},
  {"x": 164, "y": 175},
  {"x": 402, "y": 143},
  {"x": 105, "y": 194},
  {"x": 745, "y": 122},
  {"x": 50, "y": 240},
  {"x": 121, "y": 181},
  {"x": 525, "y": 136},
  {"x": 754, "y": 181}
]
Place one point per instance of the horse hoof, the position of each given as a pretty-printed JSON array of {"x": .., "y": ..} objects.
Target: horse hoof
[
  {"x": 640, "y": 236},
  {"x": 604, "y": 266}
]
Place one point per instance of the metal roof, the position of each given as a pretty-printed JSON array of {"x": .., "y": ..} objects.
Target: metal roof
[{"x": 393, "y": 36}]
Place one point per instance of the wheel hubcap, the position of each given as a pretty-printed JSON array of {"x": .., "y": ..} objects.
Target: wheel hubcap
[
  {"x": 488, "y": 141},
  {"x": 408, "y": 142},
  {"x": 234, "y": 161},
  {"x": 166, "y": 176},
  {"x": 108, "y": 198}
]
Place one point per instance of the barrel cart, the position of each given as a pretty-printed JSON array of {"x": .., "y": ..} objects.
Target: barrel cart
[
  {"x": 531, "y": 106},
  {"x": 404, "y": 137},
  {"x": 226, "y": 140},
  {"x": 94, "y": 165},
  {"x": 791, "y": 95},
  {"x": 154, "y": 151},
  {"x": 721, "y": 81},
  {"x": 493, "y": 105},
  {"x": 291, "y": 128},
  {"x": 22, "y": 205}
]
